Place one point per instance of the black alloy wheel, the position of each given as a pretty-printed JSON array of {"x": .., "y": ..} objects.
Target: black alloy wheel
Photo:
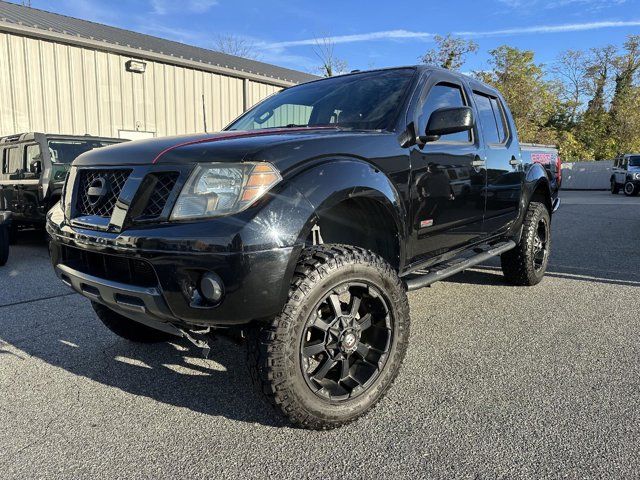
[
  {"x": 540, "y": 244},
  {"x": 338, "y": 344},
  {"x": 347, "y": 341}
]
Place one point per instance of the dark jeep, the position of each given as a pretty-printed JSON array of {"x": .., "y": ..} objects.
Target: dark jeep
[{"x": 33, "y": 169}]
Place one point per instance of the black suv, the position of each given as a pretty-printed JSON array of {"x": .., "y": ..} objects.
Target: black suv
[{"x": 305, "y": 223}]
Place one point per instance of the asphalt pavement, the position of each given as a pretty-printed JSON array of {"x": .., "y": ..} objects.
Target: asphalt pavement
[{"x": 498, "y": 382}]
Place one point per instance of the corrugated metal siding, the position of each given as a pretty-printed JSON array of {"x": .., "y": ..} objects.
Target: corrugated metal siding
[{"x": 57, "y": 88}]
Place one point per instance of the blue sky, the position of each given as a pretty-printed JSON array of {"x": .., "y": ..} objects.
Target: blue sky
[{"x": 371, "y": 33}]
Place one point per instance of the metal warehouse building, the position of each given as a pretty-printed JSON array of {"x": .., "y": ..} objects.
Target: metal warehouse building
[{"x": 64, "y": 75}]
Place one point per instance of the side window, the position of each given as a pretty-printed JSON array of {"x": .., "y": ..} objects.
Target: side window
[
  {"x": 441, "y": 96},
  {"x": 13, "y": 160},
  {"x": 501, "y": 121},
  {"x": 492, "y": 118},
  {"x": 487, "y": 119},
  {"x": 33, "y": 153}
]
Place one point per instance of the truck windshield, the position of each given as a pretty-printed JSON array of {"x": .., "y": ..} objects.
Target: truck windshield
[
  {"x": 367, "y": 101},
  {"x": 634, "y": 161},
  {"x": 66, "y": 151}
]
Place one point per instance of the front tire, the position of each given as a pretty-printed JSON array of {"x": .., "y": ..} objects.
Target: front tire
[
  {"x": 4, "y": 245},
  {"x": 630, "y": 189},
  {"x": 526, "y": 264},
  {"x": 127, "y": 328},
  {"x": 13, "y": 233},
  {"x": 339, "y": 342},
  {"x": 615, "y": 188}
]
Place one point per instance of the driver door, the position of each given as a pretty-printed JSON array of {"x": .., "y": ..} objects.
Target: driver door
[{"x": 447, "y": 178}]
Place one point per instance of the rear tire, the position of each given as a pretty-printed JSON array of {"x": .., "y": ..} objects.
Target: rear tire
[
  {"x": 615, "y": 188},
  {"x": 127, "y": 328},
  {"x": 4, "y": 245},
  {"x": 339, "y": 342},
  {"x": 13, "y": 233},
  {"x": 630, "y": 189},
  {"x": 526, "y": 264}
]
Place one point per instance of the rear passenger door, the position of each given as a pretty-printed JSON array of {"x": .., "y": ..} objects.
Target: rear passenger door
[{"x": 501, "y": 154}]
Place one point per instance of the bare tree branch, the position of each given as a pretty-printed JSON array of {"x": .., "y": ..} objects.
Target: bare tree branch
[
  {"x": 330, "y": 65},
  {"x": 233, "y": 45}
]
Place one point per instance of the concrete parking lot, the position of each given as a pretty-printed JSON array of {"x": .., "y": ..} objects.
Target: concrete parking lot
[{"x": 499, "y": 382}]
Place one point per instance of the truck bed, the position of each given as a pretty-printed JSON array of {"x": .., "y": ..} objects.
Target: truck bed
[{"x": 548, "y": 157}]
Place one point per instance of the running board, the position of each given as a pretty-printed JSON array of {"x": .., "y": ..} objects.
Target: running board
[{"x": 448, "y": 269}]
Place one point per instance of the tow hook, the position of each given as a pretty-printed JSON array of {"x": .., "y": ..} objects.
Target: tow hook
[{"x": 203, "y": 344}]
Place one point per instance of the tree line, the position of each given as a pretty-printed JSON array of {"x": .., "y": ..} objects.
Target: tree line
[{"x": 587, "y": 101}]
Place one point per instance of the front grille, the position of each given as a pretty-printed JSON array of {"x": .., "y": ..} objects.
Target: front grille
[
  {"x": 131, "y": 271},
  {"x": 163, "y": 184},
  {"x": 113, "y": 180}
]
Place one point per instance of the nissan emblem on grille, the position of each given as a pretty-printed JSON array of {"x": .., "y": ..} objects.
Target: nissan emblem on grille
[{"x": 97, "y": 190}]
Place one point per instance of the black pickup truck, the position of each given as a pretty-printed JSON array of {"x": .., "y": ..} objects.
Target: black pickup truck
[{"x": 305, "y": 223}]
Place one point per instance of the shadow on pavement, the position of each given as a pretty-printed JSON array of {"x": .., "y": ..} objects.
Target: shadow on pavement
[
  {"x": 492, "y": 275},
  {"x": 168, "y": 372}
]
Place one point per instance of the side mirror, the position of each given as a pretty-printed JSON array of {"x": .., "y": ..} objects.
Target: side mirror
[
  {"x": 36, "y": 167},
  {"x": 446, "y": 121}
]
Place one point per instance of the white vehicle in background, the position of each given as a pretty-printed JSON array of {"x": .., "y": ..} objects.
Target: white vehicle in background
[{"x": 626, "y": 175}]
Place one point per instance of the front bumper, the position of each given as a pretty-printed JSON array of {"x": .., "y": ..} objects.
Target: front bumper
[{"x": 255, "y": 282}]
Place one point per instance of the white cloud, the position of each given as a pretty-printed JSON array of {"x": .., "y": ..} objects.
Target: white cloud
[
  {"x": 406, "y": 34},
  {"x": 360, "y": 37},
  {"x": 164, "y": 7},
  {"x": 568, "y": 27},
  {"x": 591, "y": 4}
]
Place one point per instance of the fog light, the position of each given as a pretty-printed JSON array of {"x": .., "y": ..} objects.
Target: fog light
[{"x": 211, "y": 287}]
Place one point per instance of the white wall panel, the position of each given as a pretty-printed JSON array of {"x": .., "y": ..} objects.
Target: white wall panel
[{"x": 59, "y": 88}]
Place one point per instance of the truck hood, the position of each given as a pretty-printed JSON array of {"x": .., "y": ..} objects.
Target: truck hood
[{"x": 231, "y": 146}]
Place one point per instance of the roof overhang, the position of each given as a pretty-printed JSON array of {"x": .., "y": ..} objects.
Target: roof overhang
[{"x": 138, "y": 53}]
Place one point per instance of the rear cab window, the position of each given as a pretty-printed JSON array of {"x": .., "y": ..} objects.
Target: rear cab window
[{"x": 492, "y": 118}]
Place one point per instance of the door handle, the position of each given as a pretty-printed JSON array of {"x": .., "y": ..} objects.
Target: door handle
[{"x": 514, "y": 162}]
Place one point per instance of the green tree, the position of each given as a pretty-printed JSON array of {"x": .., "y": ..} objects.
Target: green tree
[
  {"x": 450, "y": 52},
  {"x": 571, "y": 70},
  {"x": 625, "y": 117},
  {"x": 534, "y": 101}
]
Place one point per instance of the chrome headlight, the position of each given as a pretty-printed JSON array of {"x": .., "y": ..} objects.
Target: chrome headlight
[
  {"x": 217, "y": 189},
  {"x": 636, "y": 176}
]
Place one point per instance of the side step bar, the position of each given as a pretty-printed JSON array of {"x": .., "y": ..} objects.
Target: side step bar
[{"x": 448, "y": 270}]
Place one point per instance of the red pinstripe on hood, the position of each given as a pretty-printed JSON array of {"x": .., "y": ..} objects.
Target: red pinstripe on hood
[{"x": 232, "y": 135}]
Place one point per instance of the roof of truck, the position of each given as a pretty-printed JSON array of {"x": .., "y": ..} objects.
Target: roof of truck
[{"x": 23, "y": 137}]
